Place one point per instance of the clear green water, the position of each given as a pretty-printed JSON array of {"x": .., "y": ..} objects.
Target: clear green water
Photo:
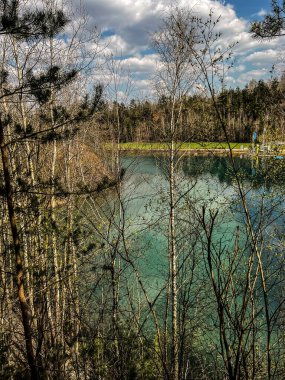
[
  {"x": 138, "y": 237},
  {"x": 206, "y": 182}
]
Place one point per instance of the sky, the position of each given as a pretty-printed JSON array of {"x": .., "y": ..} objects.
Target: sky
[{"x": 126, "y": 27}]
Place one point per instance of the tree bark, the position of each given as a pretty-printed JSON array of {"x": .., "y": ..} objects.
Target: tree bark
[
  {"x": 25, "y": 309},
  {"x": 173, "y": 259}
]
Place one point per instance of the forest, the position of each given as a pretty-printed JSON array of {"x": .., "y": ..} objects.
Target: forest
[
  {"x": 117, "y": 266},
  {"x": 259, "y": 107}
]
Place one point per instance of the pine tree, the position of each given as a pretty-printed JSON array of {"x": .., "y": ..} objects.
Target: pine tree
[
  {"x": 273, "y": 24},
  {"x": 19, "y": 23}
]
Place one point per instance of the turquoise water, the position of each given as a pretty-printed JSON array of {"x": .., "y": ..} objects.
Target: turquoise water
[
  {"x": 137, "y": 236},
  {"x": 210, "y": 181},
  {"x": 206, "y": 182}
]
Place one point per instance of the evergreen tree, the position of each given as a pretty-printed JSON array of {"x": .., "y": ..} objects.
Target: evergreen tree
[
  {"x": 20, "y": 23},
  {"x": 273, "y": 24}
]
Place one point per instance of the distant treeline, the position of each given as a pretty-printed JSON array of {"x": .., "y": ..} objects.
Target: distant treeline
[{"x": 259, "y": 107}]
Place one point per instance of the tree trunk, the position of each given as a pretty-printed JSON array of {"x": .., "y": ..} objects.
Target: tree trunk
[
  {"x": 173, "y": 259},
  {"x": 25, "y": 309}
]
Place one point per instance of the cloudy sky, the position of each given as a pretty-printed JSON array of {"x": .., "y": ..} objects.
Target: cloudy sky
[{"x": 126, "y": 26}]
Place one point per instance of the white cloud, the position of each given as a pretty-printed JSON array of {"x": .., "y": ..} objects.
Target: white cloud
[
  {"x": 128, "y": 25},
  {"x": 230, "y": 80},
  {"x": 263, "y": 58},
  {"x": 257, "y": 74},
  {"x": 238, "y": 68},
  {"x": 141, "y": 65},
  {"x": 117, "y": 46},
  {"x": 262, "y": 12}
]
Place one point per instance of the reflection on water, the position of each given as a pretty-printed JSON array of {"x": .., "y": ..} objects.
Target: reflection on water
[
  {"x": 214, "y": 177},
  {"x": 209, "y": 185},
  {"x": 208, "y": 182},
  {"x": 257, "y": 170}
]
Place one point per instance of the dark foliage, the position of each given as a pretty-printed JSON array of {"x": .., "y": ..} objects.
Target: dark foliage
[
  {"x": 258, "y": 105},
  {"x": 273, "y": 24},
  {"x": 42, "y": 85},
  {"x": 29, "y": 24}
]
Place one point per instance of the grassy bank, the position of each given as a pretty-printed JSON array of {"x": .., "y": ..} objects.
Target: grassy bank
[{"x": 182, "y": 146}]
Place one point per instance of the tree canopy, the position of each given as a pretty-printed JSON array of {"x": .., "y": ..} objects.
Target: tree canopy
[{"x": 273, "y": 24}]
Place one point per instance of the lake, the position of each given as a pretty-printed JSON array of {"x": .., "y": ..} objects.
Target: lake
[
  {"x": 201, "y": 182},
  {"x": 213, "y": 238}
]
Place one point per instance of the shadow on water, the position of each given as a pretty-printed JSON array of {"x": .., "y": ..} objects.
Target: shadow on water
[
  {"x": 262, "y": 181},
  {"x": 258, "y": 171},
  {"x": 212, "y": 183}
]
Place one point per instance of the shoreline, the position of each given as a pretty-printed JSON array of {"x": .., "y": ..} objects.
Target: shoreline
[
  {"x": 204, "y": 152},
  {"x": 195, "y": 152}
]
